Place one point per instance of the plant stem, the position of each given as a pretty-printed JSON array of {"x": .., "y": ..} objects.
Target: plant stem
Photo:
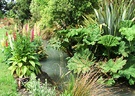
[{"x": 108, "y": 52}]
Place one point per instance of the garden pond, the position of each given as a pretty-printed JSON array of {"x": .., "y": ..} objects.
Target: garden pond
[{"x": 55, "y": 67}]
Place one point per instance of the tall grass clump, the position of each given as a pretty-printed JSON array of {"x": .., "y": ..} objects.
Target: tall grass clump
[{"x": 87, "y": 85}]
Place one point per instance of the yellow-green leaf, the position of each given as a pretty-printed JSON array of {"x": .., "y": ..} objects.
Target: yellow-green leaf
[
  {"x": 12, "y": 68},
  {"x": 14, "y": 63},
  {"x": 24, "y": 70},
  {"x": 20, "y": 65},
  {"x": 32, "y": 63},
  {"x": 24, "y": 59}
]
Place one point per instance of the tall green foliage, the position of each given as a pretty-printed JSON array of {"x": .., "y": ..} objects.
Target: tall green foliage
[{"x": 62, "y": 12}]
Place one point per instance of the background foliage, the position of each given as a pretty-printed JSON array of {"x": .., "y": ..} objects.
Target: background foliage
[
  {"x": 20, "y": 10},
  {"x": 65, "y": 13}
]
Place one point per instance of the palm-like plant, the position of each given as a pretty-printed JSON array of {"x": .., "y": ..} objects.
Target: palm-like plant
[{"x": 112, "y": 12}]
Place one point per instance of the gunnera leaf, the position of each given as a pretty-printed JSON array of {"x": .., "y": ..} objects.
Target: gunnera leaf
[
  {"x": 80, "y": 62},
  {"x": 113, "y": 66},
  {"x": 122, "y": 49},
  {"x": 129, "y": 33},
  {"x": 108, "y": 40},
  {"x": 126, "y": 23}
]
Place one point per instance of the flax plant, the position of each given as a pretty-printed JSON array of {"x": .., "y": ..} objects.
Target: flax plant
[{"x": 112, "y": 12}]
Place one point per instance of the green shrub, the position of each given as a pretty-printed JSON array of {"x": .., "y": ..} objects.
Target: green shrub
[
  {"x": 113, "y": 68},
  {"x": 62, "y": 12},
  {"x": 122, "y": 67},
  {"x": 35, "y": 88},
  {"x": 81, "y": 61},
  {"x": 24, "y": 60},
  {"x": 25, "y": 50}
]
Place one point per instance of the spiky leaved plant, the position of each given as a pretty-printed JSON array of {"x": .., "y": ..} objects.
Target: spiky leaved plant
[{"x": 112, "y": 12}]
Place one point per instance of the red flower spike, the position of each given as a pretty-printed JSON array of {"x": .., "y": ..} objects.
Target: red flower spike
[
  {"x": 39, "y": 34},
  {"x": 32, "y": 35},
  {"x": 6, "y": 33},
  {"x": 26, "y": 27},
  {"x": 14, "y": 35},
  {"x": 6, "y": 43}
]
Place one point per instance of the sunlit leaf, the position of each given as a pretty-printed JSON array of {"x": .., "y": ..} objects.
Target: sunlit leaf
[
  {"x": 12, "y": 68},
  {"x": 32, "y": 63},
  {"x": 24, "y": 70},
  {"x": 129, "y": 33},
  {"x": 14, "y": 63},
  {"x": 20, "y": 64},
  {"x": 113, "y": 66},
  {"x": 18, "y": 72},
  {"x": 24, "y": 59},
  {"x": 108, "y": 40}
]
